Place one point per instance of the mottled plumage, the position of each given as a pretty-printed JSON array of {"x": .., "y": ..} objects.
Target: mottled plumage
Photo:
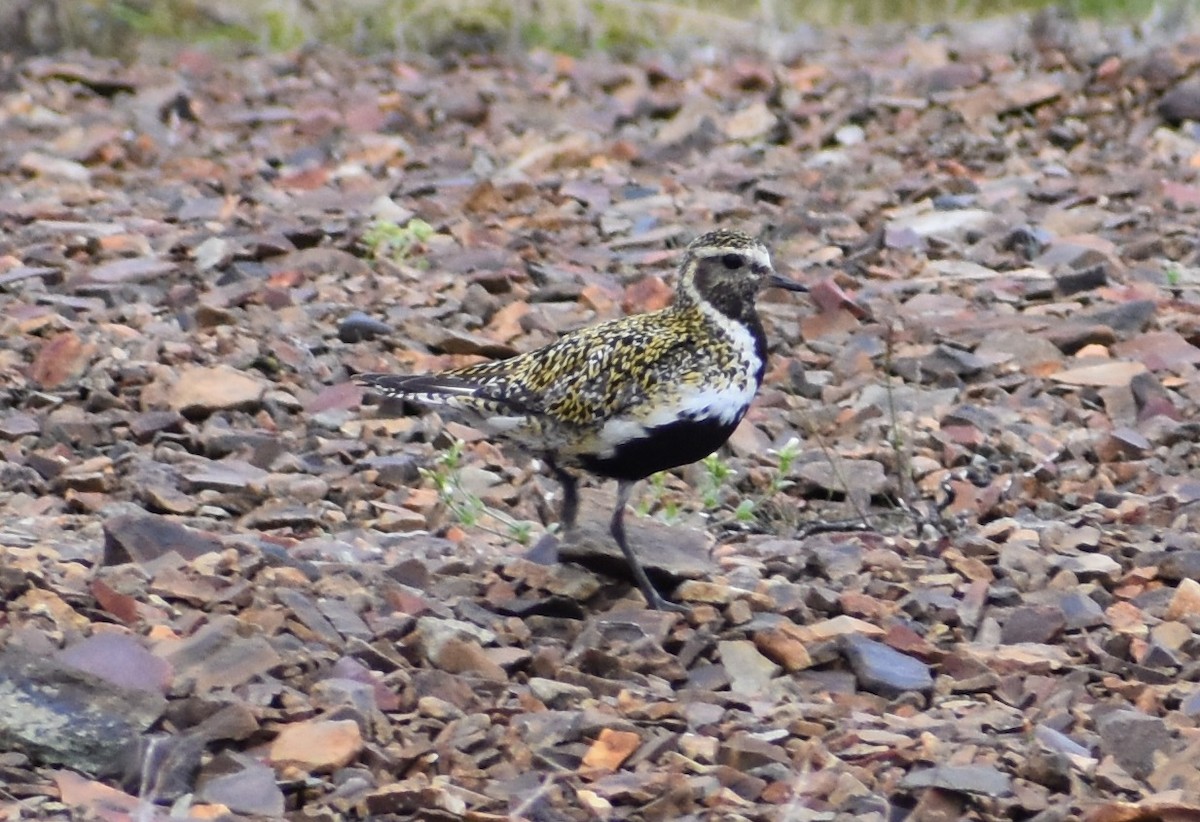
[{"x": 629, "y": 397}]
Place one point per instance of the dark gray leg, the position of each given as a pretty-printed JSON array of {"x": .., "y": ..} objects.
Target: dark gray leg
[
  {"x": 570, "y": 489},
  {"x": 653, "y": 597}
]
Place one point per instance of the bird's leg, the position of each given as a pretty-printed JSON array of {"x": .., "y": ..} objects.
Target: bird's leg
[
  {"x": 653, "y": 597},
  {"x": 570, "y": 490}
]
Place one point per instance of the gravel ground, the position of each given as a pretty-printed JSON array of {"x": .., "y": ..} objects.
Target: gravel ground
[{"x": 232, "y": 590}]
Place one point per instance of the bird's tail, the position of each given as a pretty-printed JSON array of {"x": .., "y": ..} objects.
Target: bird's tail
[{"x": 422, "y": 387}]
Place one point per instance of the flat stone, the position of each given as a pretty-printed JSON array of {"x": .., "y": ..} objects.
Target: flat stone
[
  {"x": 678, "y": 553},
  {"x": 135, "y": 269},
  {"x": 1032, "y": 624},
  {"x": 358, "y": 327},
  {"x": 555, "y": 694},
  {"x": 840, "y": 626},
  {"x": 986, "y": 780},
  {"x": 695, "y": 590},
  {"x": 120, "y": 659},
  {"x": 228, "y": 475},
  {"x": 320, "y": 745},
  {"x": 306, "y": 611},
  {"x": 1058, "y": 741},
  {"x": 749, "y": 671},
  {"x": 250, "y": 789},
  {"x": 1116, "y": 373},
  {"x": 144, "y": 539},
  {"x": 61, "y": 359},
  {"x": 948, "y": 223},
  {"x": 862, "y": 476},
  {"x": 745, "y": 752},
  {"x": 1185, "y": 601},
  {"x": 611, "y": 749},
  {"x": 18, "y": 424},
  {"x": 1180, "y": 565},
  {"x": 199, "y": 391},
  {"x": 61, "y": 715},
  {"x": 1088, "y": 567},
  {"x": 754, "y": 121},
  {"x": 345, "y": 619},
  {"x": 433, "y": 632},
  {"x": 782, "y": 647},
  {"x": 1181, "y": 103},
  {"x": 1080, "y": 611},
  {"x": 147, "y": 425},
  {"x": 456, "y": 655},
  {"x": 1128, "y": 317},
  {"x": 217, "y": 656},
  {"x": 1133, "y": 739},
  {"x": 43, "y": 165},
  {"x": 883, "y": 670}
]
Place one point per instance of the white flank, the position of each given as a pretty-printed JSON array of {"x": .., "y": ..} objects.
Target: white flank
[
  {"x": 725, "y": 404},
  {"x": 617, "y": 432}
]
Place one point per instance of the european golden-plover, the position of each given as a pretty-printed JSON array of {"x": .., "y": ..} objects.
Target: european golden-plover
[{"x": 626, "y": 398}]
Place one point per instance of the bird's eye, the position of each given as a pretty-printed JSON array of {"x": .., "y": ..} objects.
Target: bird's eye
[{"x": 733, "y": 261}]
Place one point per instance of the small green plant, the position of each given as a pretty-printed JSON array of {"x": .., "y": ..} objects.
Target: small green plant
[
  {"x": 759, "y": 506},
  {"x": 746, "y": 511},
  {"x": 786, "y": 457},
  {"x": 384, "y": 238},
  {"x": 467, "y": 508},
  {"x": 716, "y": 473},
  {"x": 658, "y": 498}
]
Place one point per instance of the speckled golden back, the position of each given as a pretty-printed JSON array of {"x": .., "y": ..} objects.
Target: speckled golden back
[
  {"x": 702, "y": 358},
  {"x": 589, "y": 376}
]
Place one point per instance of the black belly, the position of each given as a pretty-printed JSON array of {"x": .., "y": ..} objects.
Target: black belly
[{"x": 667, "y": 446}]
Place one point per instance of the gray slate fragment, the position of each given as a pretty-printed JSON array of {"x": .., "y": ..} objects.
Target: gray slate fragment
[
  {"x": 120, "y": 659},
  {"x": 358, "y": 327},
  {"x": 305, "y": 610},
  {"x": 1181, "y": 103},
  {"x": 980, "y": 779},
  {"x": 865, "y": 476},
  {"x": 883, "y": 670},
  {"x": 1130, "y": 317},
  {"x": 60, "y": 715},
  {"x": 217, "y": 656},
  {"x": 17, "y": 424},
  {"x": 1179, "y": 565},
  {"x": 1080, "y": 611},
  {"x": 1133, "y": 738},
  {"x": 1032, "y": 624},
  {"x": 145, "y": 539},
  {"x": 677, "y": 552},
  {"x": 250, "y": 790},
  {"x": 1089, "y": 567}
]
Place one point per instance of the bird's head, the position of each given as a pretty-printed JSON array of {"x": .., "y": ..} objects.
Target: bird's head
[{"x": 726, "y": 269}]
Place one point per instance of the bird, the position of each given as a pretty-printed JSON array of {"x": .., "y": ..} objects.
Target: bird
[{"x": 629, "y": 397}]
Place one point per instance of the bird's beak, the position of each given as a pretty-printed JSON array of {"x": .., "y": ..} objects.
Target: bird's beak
[{"x": 775, "y": 281}]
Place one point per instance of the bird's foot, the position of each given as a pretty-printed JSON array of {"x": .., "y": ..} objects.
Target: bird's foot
[{"x": 660, "y": 603}]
